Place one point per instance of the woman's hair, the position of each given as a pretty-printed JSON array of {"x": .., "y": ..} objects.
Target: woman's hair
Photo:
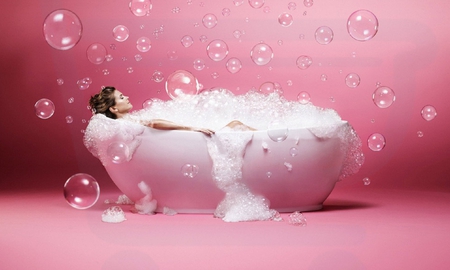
[{"x": 101, "y": 102}]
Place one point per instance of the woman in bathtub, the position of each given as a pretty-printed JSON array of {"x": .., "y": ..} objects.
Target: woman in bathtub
[{"x": 114, "y": 104}]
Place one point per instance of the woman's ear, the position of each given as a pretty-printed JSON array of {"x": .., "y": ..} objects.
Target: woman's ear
[{"x": 113, "y": 109}]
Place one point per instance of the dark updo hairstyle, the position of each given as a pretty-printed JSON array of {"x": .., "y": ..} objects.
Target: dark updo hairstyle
[{"x": 101, "y": 102}]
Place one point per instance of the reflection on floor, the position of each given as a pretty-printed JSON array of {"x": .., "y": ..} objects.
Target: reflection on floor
[{"x": 359, "y": 228}]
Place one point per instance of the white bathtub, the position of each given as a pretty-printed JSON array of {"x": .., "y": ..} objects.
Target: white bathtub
[{"x": 159, "y": 159}]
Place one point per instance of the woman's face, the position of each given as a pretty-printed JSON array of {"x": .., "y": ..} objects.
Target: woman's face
[{"x": 123, "y": 105}]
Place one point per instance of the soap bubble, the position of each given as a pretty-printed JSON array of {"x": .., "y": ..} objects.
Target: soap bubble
[
  {"x": 44, "y": 108},
  {"x": 217, "y": 50},
  {"x": 189, "y": 170},
  {"x": 81, "y": 191},
  {"x": 118, "y": 152},
  {"x": 292, "y": 6},
  {"x": 352, "y": 80},
  {"x": 428, "y": 112},
  {"x": 234, "y": 65},
  {"x": 187, "y": 41},
  {"x": 158, "y": 76},
  {"x": 140, "y": 7},
  {"x": 121, "y": 33},
  {"x": 237, "y": 33},
  {"x": 209, "y": 20},
  {"x": 267, "y": 88},
  {"x": 383, "y": 97},
  {"x": 304, "y": 62},
  {"x": 261, "y": 54},
  {"x": 256, "y": 3},
  {"x": 96, "y": 53},
  {"x": 366, "y": 181},
  {"x": 303, "y": 97},
  {"x": 293, "y": 151},
  {"x": 143, "y": 44},
  {"x": 362, "y": 25},
  {"x": 308, "y": 3},
  {"x": 226, "y": 12},
  {"x": 198, "y": 64},
  {"x": 376, "y": 142},
  {"x": 277, "y": 131},
  {"x": 324, "y": 35},
  {"x": 62, "y": 29},
  {"x": 60, "y": 81},
  {"x": 172, "y": 55},
  {"x": 84, "y": 83},
  {"x": 147, "y": 103},
  {"x": 181, "y": 82},
  {"x": 69, "y": 119},
  {"x": 285, "y": 19}
]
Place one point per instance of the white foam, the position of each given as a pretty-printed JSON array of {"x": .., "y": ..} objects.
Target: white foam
[
  {"x": 113, "y": 214},
  {"x": 146, "y": 205}
]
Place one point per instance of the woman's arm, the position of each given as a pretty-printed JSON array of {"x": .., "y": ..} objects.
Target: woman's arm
[{"x": 168, "y": 125}]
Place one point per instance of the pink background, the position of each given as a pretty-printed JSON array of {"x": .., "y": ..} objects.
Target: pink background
[{"x": 410, "y": 54}]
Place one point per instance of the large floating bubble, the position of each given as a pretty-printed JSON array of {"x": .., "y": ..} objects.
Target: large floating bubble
[
  {"x": 187, "y": 41},
  {"x": 261, "y": 54},
  {"x": 140, "y": 7},
  {"x": 362, "y": 25},
  {"x": 118, "y": 152},
  {"x": 428, "y": 112},
  {"x": 121, "y": 33},
  {"x": 352, "y": 80},
  {"x": 277, "y": 131},
  {"x": 44, "y": 108},
  {"x": 180, "y": 83},
  {"x": 234, "y": 65},
  {"x": 209, "y": 20},
  {"x": 217, "y": 50},
  {"x": 285, "y": 19},
  {"x": 96, "y": 53},
  {"x": 143, "y": 44},
  {"x": 376, "y": 142},
  {"x": 304, "y": 62},
  {"x": 81, "y": 191},
  {"x": 383, "y": 97},
  {"x": 256, "y": 3},
  {"x": 324, "y": 35},
  {"x": 62, "y": 29}
]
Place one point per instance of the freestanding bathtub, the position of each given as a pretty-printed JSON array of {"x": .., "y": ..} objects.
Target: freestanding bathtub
[{"x": 296, "y": 174}]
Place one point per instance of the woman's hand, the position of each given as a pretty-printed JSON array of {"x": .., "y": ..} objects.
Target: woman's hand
[{"x": 205, "y": 131}]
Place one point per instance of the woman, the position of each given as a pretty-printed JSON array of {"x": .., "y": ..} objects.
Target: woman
[{"x": 113, "y": 104}]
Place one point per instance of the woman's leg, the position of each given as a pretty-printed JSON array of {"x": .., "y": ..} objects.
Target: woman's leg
[{"x": 236, "y": 123}]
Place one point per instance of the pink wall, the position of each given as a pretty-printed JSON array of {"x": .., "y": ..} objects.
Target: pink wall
[{"x": 410, "y": 54}]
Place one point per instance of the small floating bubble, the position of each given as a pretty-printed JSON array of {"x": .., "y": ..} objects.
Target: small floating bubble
[
  {"x": 120, "y": 33},
  {"x": 238, "y": 2},
  {"x": 189, "y": 170},
  {"x": 234, "y": 65},
  {"x": 376, "y": 142},
  {"x": 199, "y": 64},
  {"x": 84, "y": 83},
  {"x": 324, "y": 35},
  {"x": 158, "y": 76},
  {"x": 293, "y": 151},
  {"x": 226, "y": 12},
  {"x": 308, "y": 3},
  {"x": 323, "y": 77},
  {"x": 261, "y": 54},
  {"x": 285, "y": 19},
  {"x": 108, "y": 58},
  {"x": 69, "y": 119},
  {"x": 140, "y": 7},
  {"x": 419, "y": 134},
  {"x": 60, "y": 81},
  {"x": 71, "y": 100},
  {"x": 266, "y": 9},
  {"x": 187, "y": 41},
  {"x": 304, "y": 62},
  {"x": 130, "y": 70},
  {"x": 269, "y": 174},
  {"x": 256, "y": 3},
  {"x": 217, "y": 50},
  {"x": 303, "y": 97},
  {"x": 288, "y": 166},
  {"x": 172, "y": 55},
  {"x": 428, "y": 112},
  {"x": 292, "y": 6},
  {"x": 143, "y": 44},
  {"x": 118, "y": 152},
  {"x": 209, "y": 20},
  {"x": 366, "y": 181},
  {"x": 138, "y": 57},
  {"x": 362, "y": 25},
  {"x": 383, "y": 97},
  {"x": 352, "y": 80}
]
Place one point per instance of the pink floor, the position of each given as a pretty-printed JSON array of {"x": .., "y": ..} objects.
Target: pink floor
[{"x": 360, "y": 227}]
